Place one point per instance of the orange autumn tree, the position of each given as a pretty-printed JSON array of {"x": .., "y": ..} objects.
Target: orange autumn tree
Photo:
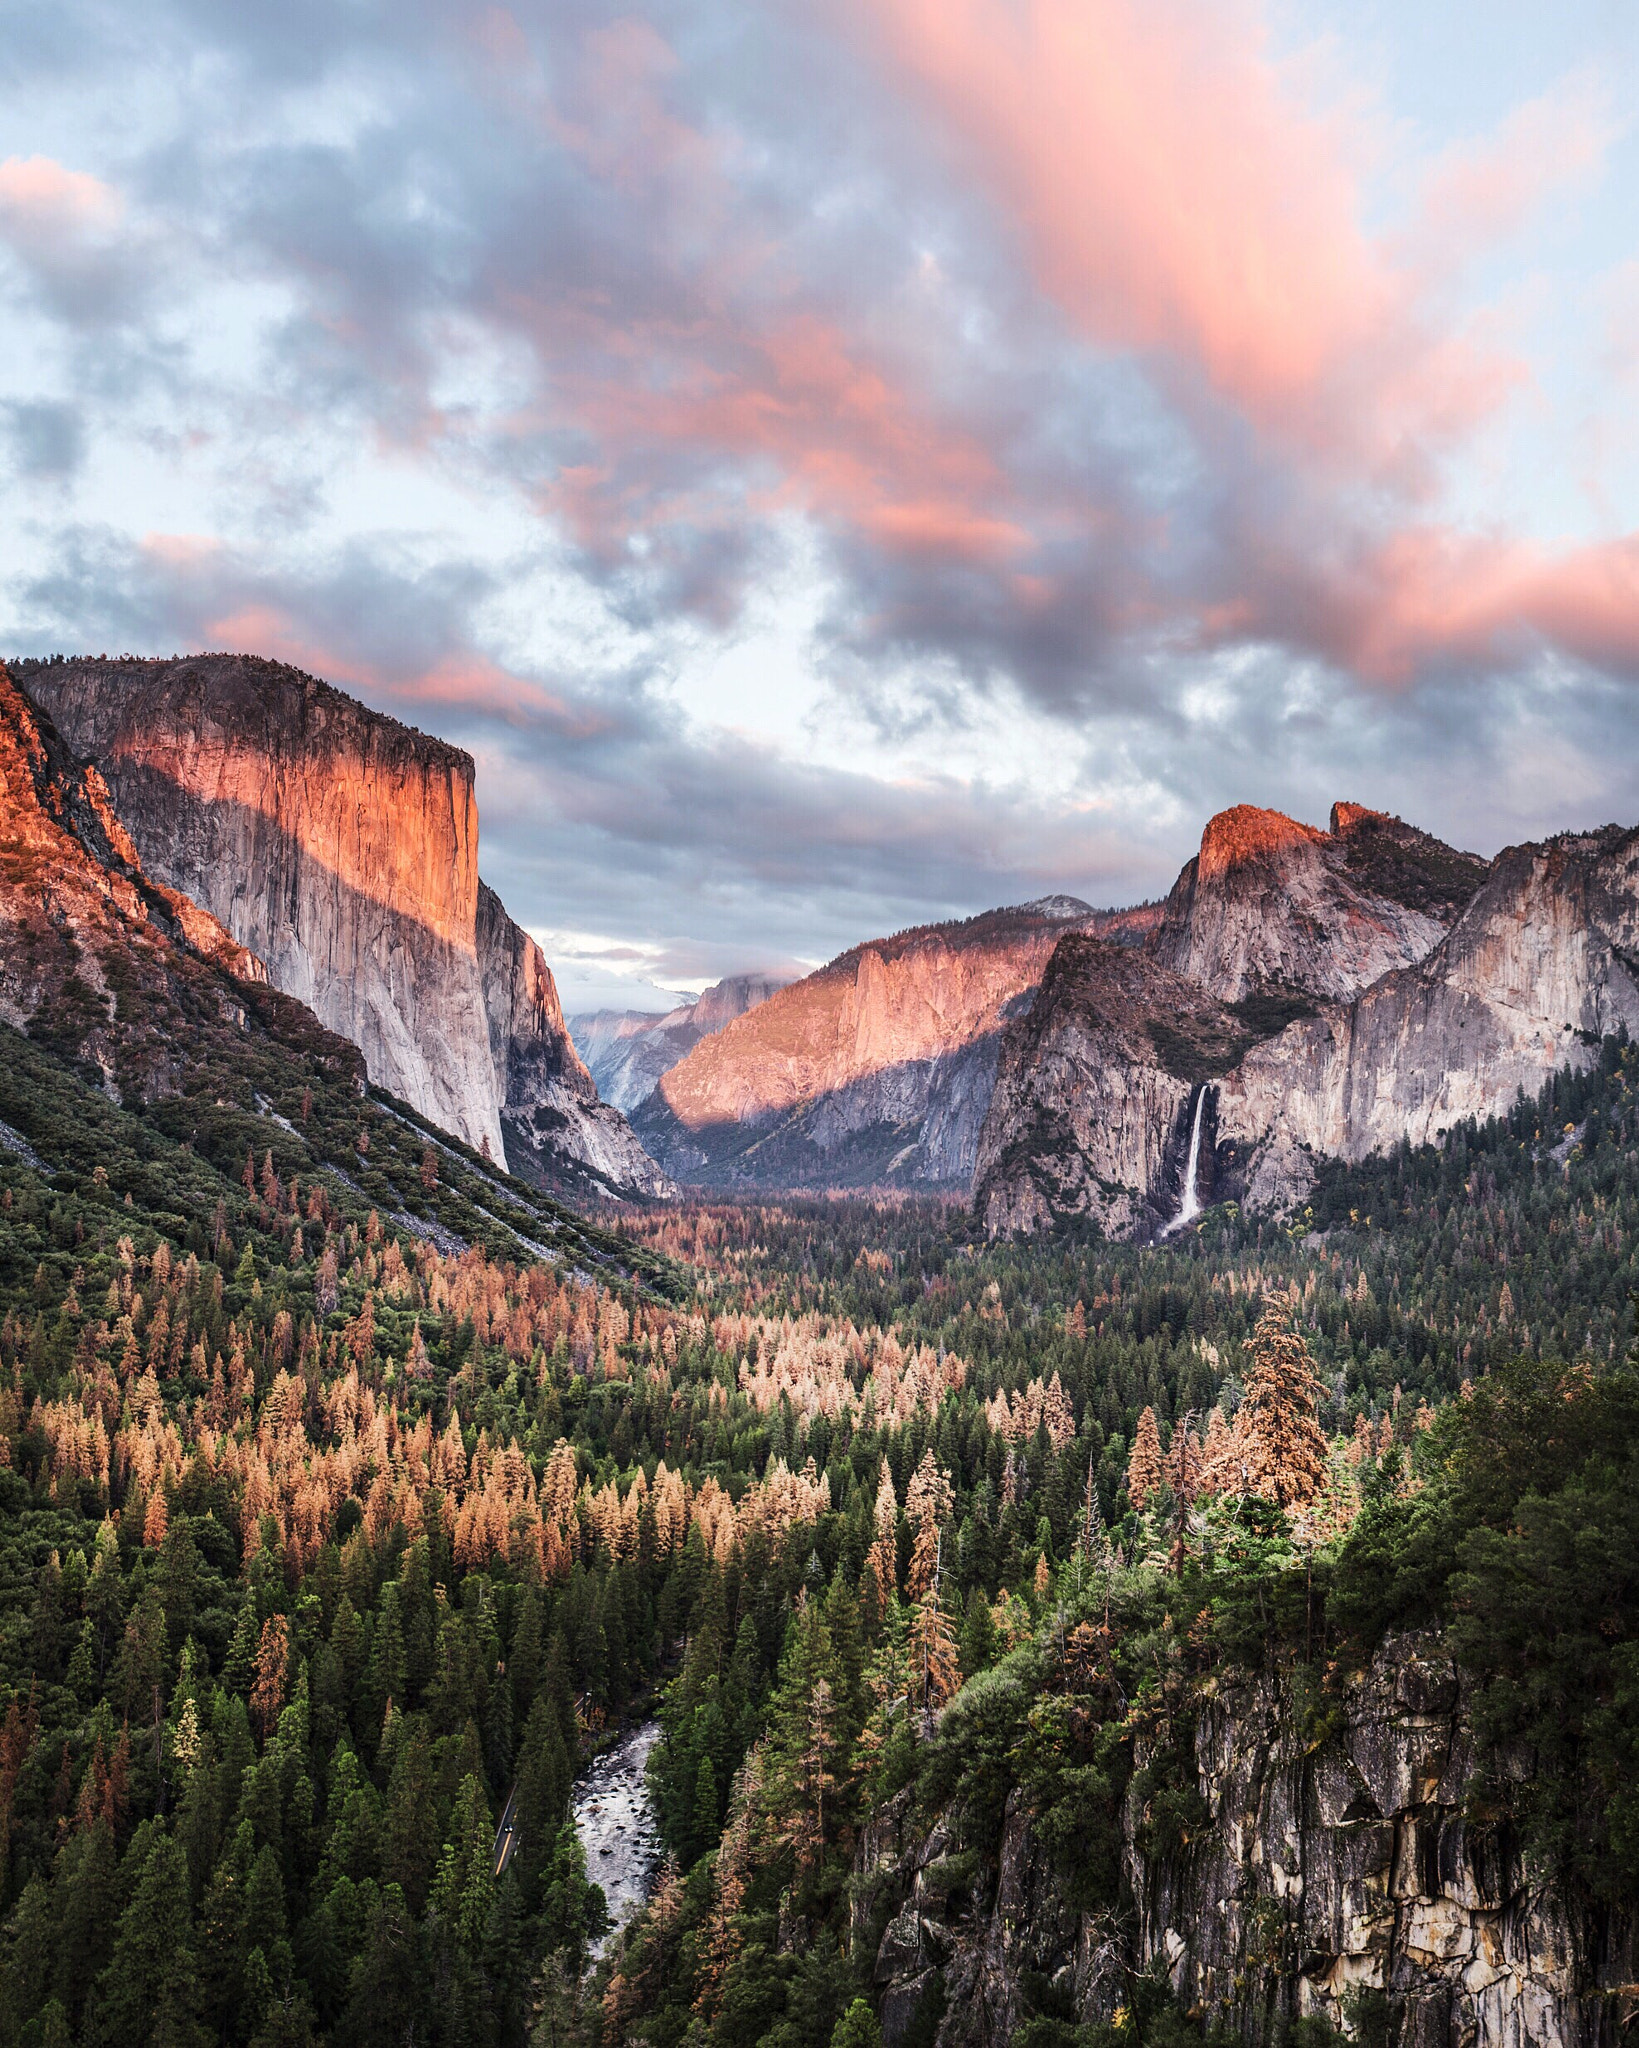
[
  {"x": 1282, "y": 1449},
  {"x": 881, "y": 1565},
  {"x": 267, "y": 1696},
  {"x": 1144, "y": 1464},
  {"x": 929, "y": 1501}
]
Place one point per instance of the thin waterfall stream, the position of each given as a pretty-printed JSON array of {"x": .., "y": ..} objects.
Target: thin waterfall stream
[{"x": 1190, "y": 1207}]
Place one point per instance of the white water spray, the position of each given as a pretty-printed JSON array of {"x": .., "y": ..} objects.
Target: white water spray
[{"x": 1191, "y": 1206}]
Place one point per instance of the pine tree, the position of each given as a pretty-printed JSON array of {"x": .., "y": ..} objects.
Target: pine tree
[
  {"x": 859, "y": 2027},
  {"x": 705, "y": 1805},
  {"x": 1095, "y": 1537},
  {"x": 1283, "y": 1452},
  {"x": 807, "y": 1738},
  {"x": 882, "y": 1564},
  {"x": 267, "y": 1696},
  {"x": 935, "y": 1659},
  {"x": 149, "y": 1994},
  {"x": 929, "y": 1500},
  {"x": 1144, "y": 1465},
  {"x": 464, "y": 1889},
  {"x": 417, "y": 1365}
]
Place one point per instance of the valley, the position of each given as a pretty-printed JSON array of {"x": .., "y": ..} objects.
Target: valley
[{"x": 1094, "y": 1615}]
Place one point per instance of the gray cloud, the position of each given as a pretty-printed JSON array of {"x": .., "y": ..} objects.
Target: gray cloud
[
  {"x": 660, "y": 287},
  {"x": 47, "y": 438}
]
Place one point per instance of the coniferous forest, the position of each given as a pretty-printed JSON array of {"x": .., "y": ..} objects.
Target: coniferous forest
[{"x": 349, "y": 1508}]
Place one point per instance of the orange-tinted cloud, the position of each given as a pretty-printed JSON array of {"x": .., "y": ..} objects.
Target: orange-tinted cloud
[
  {"x": 1179, "y": 195},
  {"x": 805, "y": 418},
  {"x": 1433, "y": 595}
]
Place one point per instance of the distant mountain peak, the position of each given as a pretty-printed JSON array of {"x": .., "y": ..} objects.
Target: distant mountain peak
[{"x": 1057, "y": 907}]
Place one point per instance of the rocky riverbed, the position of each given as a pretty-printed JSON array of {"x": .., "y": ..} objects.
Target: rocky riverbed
[{"x": 615, "y": 1819}]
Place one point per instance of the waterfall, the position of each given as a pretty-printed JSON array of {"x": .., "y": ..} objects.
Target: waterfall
[{"x": 1191, "y": 1205}]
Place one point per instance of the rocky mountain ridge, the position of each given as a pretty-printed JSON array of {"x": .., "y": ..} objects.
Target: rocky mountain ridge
[
  {"x": 1271, "y": 903},
  {"x": 341, "y": 849},
  {"x": 1331, "y": 994},
  {"x": 628, "y": 1052},
  {"x": 876, "y": 1069}
]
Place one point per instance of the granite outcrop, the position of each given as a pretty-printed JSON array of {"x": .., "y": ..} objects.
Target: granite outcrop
[{"x": 340, "y": 848}]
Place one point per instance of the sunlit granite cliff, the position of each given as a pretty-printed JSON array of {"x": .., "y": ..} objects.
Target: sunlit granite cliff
[
  {"x": 1311, "y": 995},
  {"x": 876, "y": 1069},
  {"x": 629, "y": 1051},
  {"x": 341, "y": 849}
]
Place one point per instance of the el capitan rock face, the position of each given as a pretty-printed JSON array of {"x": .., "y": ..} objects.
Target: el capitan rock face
[
  {"x": 341, "y": 848},
  {"x": 877, "y": 1069},
  {"x": 1496, "y": 976},
  {"x": 629, "y": 1051},
  {"x": 98, "y": 961}
]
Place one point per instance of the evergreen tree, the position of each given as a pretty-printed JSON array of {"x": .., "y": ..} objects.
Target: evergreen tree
[
  {"x": 1282, "y": 1450},
  {"x": 858, "y": 2026},
  {"x": 149, "y": 1994}
]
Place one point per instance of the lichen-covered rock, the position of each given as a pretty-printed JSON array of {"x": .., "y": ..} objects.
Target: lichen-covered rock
[{"x": 1327, "y": 1869}]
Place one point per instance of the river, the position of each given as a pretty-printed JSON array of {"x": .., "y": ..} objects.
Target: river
[{"x": 615, "y": 1819}]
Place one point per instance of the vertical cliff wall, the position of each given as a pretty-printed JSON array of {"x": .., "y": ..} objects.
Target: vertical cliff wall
[
  {"x": 1271, "y": 902},
  {"x": 341, "y": 848},
  {"x": 877, "y": 1068},
  {"x": 1479, "y": 982},
  {"x": 1325, "y": 1869},
  {"x": 550, "y": 1112}
]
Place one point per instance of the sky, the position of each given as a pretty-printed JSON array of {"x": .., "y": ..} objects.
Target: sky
[{"x": 840, "y": 467}]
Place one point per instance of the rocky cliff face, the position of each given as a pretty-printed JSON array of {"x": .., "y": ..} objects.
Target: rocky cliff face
[
  {"x": 556, "y": 1128},
  {"x": 1333, "y": 992},
  {"x": 1542, "y": 964},
  {"x": 97, "y": 959},
  {"x": 1323, "y": 1871},
  {"x": 879, "y": 1068},
  {"x": 341, "y": 848},
  {"x": 628, "y": 1052},
  {"x": 1270, "y": 903},
  {"x": 1091, "y": 1113}
]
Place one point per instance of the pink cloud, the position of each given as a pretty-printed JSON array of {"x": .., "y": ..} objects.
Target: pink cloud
[
  {"x": 1481, "y": 190},
  {"x": 830, "y": 432},
  {"x": 1430, "y": 593},
  {"x": 1179, "y": 196},
  {"x": 39, "y": 197}
]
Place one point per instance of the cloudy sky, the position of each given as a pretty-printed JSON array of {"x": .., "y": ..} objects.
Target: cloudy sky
[{"x": 840, "y": 465}]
